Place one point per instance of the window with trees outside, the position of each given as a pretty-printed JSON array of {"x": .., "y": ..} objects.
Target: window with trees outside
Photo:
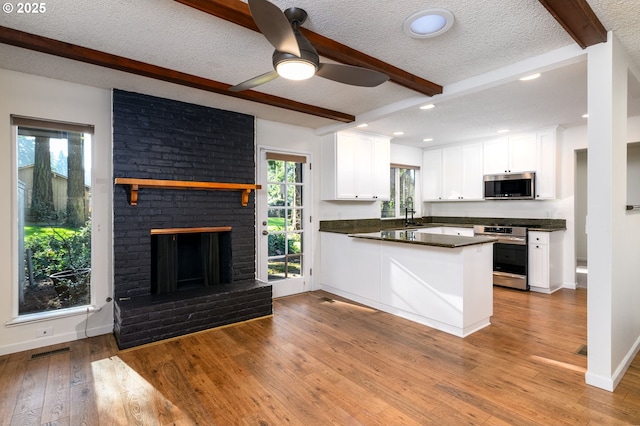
[
  {"x": 402, "y": 193},
  {"x": 54, "y": 215}
]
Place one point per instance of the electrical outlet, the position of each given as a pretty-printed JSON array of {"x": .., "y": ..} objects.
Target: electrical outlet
[{"x": 43, "y": 332}]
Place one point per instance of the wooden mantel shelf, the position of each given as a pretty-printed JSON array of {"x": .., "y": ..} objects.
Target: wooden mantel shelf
[{"x": 136, "y": 184}]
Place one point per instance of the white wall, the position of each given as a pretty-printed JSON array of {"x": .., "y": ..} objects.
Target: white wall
[
  {"x": 43, "y": 98},
  {"x": 613, "y": 233}
]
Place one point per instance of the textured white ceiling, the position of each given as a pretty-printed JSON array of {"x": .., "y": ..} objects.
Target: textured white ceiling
[{"x": 487, "y": 36}]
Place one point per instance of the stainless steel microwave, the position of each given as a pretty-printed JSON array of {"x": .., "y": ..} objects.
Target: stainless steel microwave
[{"x": 510, "y": 186}]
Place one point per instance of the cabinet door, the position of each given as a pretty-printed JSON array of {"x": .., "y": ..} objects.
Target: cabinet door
[
  {"x": 451, "y": 173},
  {"x": 546, "y": 168},
  {"x": 346, "y": 148},
  {"x": 522, "y": 153},
  {"x": 364, "y": 168},
  {"x": 432, "y": 175},
  {"x": 496, "y": 156},
  {"x": 471, "y": 165},
  {"x": 381, "y": 169},
  {"x": 538, "y": 272}
]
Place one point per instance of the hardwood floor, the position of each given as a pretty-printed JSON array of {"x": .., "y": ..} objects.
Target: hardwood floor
[{"x": 323, "y": 360}]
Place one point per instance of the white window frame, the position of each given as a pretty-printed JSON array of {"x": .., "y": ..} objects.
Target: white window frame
[{"x": 417, "y": 201}]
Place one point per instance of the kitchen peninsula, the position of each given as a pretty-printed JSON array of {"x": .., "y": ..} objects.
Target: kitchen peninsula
[{"x": 442, "y": 281}]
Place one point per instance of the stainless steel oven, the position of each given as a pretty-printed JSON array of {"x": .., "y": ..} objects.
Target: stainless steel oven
[{"x": 510, "y": 258}]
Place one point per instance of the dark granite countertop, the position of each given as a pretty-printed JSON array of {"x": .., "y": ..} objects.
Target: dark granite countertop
[
  {"x": 423, "y": 238},
  {"x": 359, "y": 226}
]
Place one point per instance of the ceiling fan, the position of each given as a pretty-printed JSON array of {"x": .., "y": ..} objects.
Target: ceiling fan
[{"x": 295, "y": 58}]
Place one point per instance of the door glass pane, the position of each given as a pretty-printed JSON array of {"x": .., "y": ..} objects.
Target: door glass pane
[
  {"x": 275, "y": 220},
  {"x": 276, "y": 268},
  {"x": 54, "y": 219},
  {"x": 294, "y": 195},
  {"x": 294, "y": 266},
  {"x": 294, "y": 172},
  {"x": 294, "y": 219},
  {"x": 294, "y": 243},
  {"x": 276, "y": 244},
  {"x": 276, "y": 194}
]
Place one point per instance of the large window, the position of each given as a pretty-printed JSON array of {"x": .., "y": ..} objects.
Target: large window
[
  {"x": 54, "y": 215},
  {"x": 403, "y": 192}
]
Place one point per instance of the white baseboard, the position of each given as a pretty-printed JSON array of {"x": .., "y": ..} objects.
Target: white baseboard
[
  {"x": 54, "y": 340},
  {"x": 610, "y": 383}
]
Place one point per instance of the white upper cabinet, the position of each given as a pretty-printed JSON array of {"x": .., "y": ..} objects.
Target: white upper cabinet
[
  {"x": 510, "y": 154},
  {"x": 432, "y": 175},
  {"x": 356, "y": 166},
  {"x": 452, "y": 173},
  {"x": 547, "y": 173},
  {"x": 535, "y": 151}
]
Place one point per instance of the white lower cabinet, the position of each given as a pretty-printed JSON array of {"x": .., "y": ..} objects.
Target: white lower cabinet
[
  {"x": 449, "y": 289},
  {"x": 545, "y": 261}
]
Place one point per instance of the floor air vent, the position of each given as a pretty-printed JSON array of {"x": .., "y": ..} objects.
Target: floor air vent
[
  {"x": 47, "y": 353},
  {"x": 582, "y": 350}
]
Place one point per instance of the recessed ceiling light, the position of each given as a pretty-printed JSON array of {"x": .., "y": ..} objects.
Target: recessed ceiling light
[
  {"x": 360, "y": 126},
  {"x": 428, "y": 23},
  {"x": 585, "y": 115},
  {"x": 428, "y": 106},
  {"x": 427, "y": 140},
  {"x": 530, "y": 77},
  {"x": 398, "y": 133},
  {"x": 503, "y": 131}
]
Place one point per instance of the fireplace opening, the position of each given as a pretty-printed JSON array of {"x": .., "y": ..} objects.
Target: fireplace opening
[{"x": 189, "y": 258}]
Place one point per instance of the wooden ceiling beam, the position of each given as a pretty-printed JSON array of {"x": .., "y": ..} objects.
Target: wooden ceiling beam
[
  {"x": 95, "y": 57},
  {"x": 237, "y": 12},
  {"x": 578, "y": 19}
]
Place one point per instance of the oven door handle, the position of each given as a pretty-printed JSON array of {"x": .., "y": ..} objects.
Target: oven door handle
[
  {"x": 508, "y": 275},
  {"x": 514, "y": 241}
]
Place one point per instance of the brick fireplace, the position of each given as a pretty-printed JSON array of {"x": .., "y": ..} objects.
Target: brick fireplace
[{"x": 155, "y": 138}]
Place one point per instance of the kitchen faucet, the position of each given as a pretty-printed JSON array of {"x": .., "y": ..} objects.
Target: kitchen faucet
[{"x": 408, "y": 208}]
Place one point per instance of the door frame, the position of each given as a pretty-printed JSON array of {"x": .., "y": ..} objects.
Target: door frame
[{"x": 288, "y": 286}]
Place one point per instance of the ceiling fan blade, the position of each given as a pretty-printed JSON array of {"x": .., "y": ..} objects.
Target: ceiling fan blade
[
  {"x": 274, "y": 25},
  {"x": 348, "y": 74},
  {"x": 255, "y": 81}
]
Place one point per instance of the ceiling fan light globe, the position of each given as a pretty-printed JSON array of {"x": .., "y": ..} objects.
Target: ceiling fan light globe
[{"x": 296, "y": 69}]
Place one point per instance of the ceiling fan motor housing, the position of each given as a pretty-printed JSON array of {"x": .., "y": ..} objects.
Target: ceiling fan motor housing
[{"x": 307, "y": 52}]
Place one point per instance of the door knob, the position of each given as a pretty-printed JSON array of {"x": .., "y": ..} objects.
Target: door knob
[{"x": 265, "y": 232}]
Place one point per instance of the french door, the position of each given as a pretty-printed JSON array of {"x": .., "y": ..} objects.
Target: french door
[{"x": 283, "y": 215}]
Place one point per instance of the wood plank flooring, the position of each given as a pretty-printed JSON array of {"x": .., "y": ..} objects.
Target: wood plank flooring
[{"x": 323, "y": 360}]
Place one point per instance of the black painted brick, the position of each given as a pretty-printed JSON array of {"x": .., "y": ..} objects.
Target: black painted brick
[
  {"x": 207, "y": 309},
  {"x": 165, "y": 139}
]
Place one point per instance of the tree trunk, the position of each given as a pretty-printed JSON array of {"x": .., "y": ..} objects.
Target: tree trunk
[
  {"x": 75, "y": 181},
  {"x": 42, "y": 208}
]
